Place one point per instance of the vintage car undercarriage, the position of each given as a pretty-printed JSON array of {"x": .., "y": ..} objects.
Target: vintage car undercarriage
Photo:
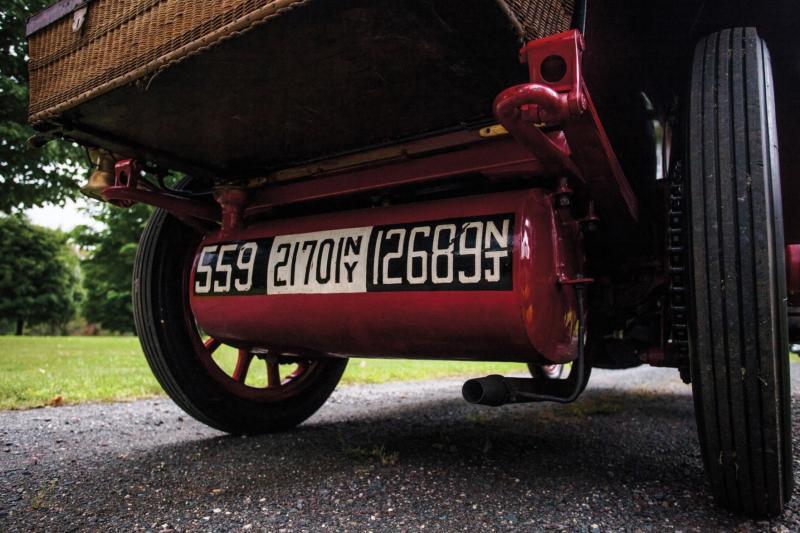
[{"x": 535, "y": 181}]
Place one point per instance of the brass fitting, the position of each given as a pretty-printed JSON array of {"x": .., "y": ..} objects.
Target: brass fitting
[{"x": 102, "y": 175}]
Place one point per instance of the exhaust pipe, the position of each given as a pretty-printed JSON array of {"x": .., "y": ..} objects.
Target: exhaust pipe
[
  {"x": 497, "y": 390},
  {"x": 491, "y": 390}
]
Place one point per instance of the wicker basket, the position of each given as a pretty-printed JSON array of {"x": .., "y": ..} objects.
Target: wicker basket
[{"x": 125, "y": 41}]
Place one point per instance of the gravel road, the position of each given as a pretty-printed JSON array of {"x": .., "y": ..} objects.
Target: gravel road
[{"x": 406, "y": 456}]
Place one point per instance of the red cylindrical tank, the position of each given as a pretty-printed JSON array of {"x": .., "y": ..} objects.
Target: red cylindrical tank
[
  {"x": 793, "y": 274},
  {"x": 475, "y": 277}
]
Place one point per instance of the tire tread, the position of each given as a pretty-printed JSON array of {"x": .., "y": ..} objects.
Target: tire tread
[{"x": 740, "y": 378}]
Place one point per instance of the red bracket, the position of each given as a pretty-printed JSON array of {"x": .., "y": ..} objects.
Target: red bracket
[
  {"x": 126, "y": 176},
  {"x": 232, "y": 201},
  {"x": 555, "y": 62},
  {"x": 128, "y": 189},
  {"x": 521, "y": 107},
  {"x": 557, "y": 97}
]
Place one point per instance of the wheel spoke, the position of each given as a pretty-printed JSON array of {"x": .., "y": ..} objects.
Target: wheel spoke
[
  {"x": 273, "y": 375},
  {"x": 242, "y": 365},
  {"x": 301, "y": 367},
  {"x": 212, "y": 344}
]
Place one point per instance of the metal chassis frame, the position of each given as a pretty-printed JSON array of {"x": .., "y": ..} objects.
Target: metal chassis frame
[
  {"x": 554, "y": 129},
  {"x": 548, "y": 132}
]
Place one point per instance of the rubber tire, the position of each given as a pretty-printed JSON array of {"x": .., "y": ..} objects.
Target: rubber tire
[
  {"x": 739, "y": 340},
  {"x": 160, "y": 315}
]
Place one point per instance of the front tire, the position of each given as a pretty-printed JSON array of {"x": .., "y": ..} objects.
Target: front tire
[
  {"x": 182, "y": 361},
  {"x": 739, "y": 342}
]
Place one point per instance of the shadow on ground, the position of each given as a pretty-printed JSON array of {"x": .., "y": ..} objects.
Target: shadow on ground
[{"x": 613, "y": 459}]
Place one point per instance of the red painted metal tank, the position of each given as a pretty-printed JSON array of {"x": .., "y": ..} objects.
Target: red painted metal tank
[
  {"x": 793, "y": 274},
  {"x": 474, "y": 277}
]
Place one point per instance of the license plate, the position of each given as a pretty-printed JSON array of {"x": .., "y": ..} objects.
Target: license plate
[{"x": 473, "y": 253}]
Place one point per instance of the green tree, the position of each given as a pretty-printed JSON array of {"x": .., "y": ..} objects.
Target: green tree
[
  {"x": 28, "y": 176},
  {"x": 39, "y": 275},
  {"x": 108, "y": 264}
]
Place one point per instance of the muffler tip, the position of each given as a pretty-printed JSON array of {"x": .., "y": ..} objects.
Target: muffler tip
[{"x": 491, "y": 390}]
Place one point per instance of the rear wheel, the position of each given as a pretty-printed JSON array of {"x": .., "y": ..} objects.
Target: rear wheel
[
  {"x": 548, "y": 371},
  {"x": 739, "y": 343},
  {"x": 188, "y": 365}
]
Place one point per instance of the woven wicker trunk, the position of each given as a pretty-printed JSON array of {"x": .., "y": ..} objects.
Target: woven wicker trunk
[{"x": 237, "y": 87}]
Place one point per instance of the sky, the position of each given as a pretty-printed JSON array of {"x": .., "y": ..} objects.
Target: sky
[{"x": 62, "y": 217}]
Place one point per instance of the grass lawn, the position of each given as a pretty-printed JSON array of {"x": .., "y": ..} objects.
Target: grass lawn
[{"x": 36, "y": 371}]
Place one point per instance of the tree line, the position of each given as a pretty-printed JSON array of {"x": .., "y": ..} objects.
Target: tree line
[
  {"x": 49, "y": 277},
  {"x": 52, "y": 280}
]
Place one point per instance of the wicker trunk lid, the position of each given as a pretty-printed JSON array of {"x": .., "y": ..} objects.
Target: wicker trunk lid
[{"x": 236, "y": 87}]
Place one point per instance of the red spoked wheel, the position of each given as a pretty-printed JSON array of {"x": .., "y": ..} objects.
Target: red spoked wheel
[
  {"x": 279, "y": 378},
  {"x": 239, "y": 391}
]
